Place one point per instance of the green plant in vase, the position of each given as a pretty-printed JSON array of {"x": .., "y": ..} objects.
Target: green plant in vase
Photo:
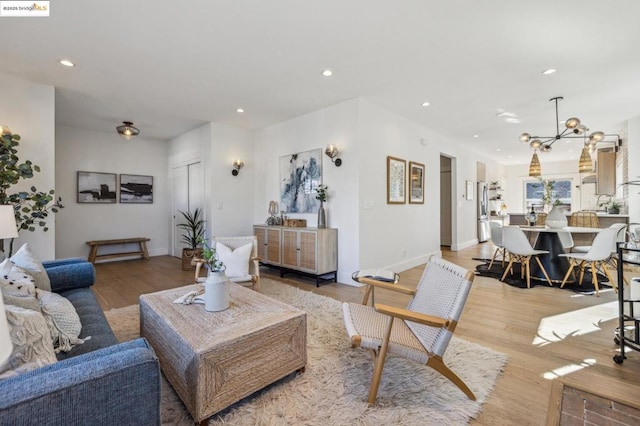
[
  {"x": 193, "y": 227},
  {"x": 31, "y": 207},
  {"x": 210, "y": 257},
  {"x": 322, "y": 194}
]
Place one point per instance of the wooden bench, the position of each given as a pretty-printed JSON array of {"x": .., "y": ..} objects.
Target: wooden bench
[{"x": 141, "y": 241}]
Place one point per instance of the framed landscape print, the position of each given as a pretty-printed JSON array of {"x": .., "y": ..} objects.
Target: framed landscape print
[
  {"x": 300, "y": 175},
  {"x": 396, "y": 172},
  {"x": 94, "y": 187},
  {"x": 136, "y": 189},
  {"x": 416, "y": 183}
]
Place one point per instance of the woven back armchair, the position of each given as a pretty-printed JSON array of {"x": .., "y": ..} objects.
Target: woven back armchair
[{"x": 422, "y": 331}]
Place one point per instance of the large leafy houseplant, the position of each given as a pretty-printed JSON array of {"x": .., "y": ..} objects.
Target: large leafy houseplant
[
  {"x": 31, "y": 206},
  {"x": 192, "y": 237}
]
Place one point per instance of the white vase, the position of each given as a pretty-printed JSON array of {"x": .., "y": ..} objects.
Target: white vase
[
  {"x": 216, "y": 292},
  {"x": 556, "y": 218}
]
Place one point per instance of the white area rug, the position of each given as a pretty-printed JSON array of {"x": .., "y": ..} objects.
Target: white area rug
[{"x": 333, "y": 389}]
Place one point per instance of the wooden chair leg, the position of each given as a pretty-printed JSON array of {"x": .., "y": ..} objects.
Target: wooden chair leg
[
  {"x": 506, "y": 271},
  {"x": 582, "y": 267},
  {"x": 367, "y": 292},
  {"x": 566, "y": 277},
  {"x": 526, "y": 268},
  {"x": 594, "y": 278},
  {"x": 494, "y": 257},
  {"x": 606, "y": 272},
  {"x": 377, "y": 371},
  {"x": 544, "y": 271},
  {"x": 438, "y": 364}
]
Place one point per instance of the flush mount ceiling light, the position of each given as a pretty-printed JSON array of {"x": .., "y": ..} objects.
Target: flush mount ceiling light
[
  {"x": 127, "y": 130},
  {"x": 67, "y": 63},
  {"x": 574, "y": 130}
]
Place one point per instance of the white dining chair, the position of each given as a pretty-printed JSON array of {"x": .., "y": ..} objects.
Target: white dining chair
[
  {"x": 521, "y": 251},
  {"x": 566, "y": 240},
  {"x": 620, "y": 236},
  {"x": 496, "y": 239},
  {"x": 596, "y": 258}
]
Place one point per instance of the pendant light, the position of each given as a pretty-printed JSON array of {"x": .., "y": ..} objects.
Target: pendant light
[{"x": 127, "y": 131}]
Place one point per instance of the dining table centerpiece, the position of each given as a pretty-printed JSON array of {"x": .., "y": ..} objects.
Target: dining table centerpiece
[{"x": 555, "y": 217}]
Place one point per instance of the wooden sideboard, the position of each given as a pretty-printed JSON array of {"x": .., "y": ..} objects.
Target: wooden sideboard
[{"x": 308, "y": 251}]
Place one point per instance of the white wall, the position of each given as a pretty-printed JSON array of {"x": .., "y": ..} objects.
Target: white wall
[
  {"x": 336, "y": 125},
  {"x": 93, "y": 151},
  {"x": 395, "y": 236},
  {"x": 28, "y": 109},
  {"x": 634, "y": 168},
  {"x": 229, "y": 199}
]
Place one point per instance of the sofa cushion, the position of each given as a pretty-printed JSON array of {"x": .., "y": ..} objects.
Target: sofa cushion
[
  {"x": 64, "y": 323},
  {"x": 94, "y": 323},
  {"x": 15, "y": 280},
  {"x": 32, "y": 345},
  {"x": 25, "y": 259}
]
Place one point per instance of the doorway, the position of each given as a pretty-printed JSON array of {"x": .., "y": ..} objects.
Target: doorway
[
  {"x": 188, "y": 195},
  {"x": 446, "y": 201}
]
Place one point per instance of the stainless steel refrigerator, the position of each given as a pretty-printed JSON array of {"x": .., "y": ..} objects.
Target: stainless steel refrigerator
[{"x": 484, "y": 230}]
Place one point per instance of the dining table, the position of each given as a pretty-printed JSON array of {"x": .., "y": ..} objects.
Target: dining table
[{"x": 549, "y": 240}]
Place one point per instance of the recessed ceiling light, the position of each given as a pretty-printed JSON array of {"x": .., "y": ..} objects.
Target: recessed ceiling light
[
  {"x": 327, "y": 73},
  {"x": 67, "y": 63},
  {"x": 240, "y": 110},
  {"x": 549, "y": 71},
  {"x": 476, "y": 136},
  {"x": 425, "y": 104},
  {"x": 498, "y": 149}
]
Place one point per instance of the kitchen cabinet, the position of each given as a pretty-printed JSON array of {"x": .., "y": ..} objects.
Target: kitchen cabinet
[{"x": 606, "y": 172}]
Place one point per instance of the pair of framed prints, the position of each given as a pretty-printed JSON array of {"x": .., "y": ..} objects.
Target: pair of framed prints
[
  {"x": 101, "y": 188},
  {"x": 397, "y": 185}
]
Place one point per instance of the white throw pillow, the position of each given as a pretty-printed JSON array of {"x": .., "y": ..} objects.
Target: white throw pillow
[
  {"x": 236, "y": 261},
  {"x": 32, "y": 345},
  {"x": 15, "y": 280},
  {"x": 25, "y": 259},
  {"x": 62, "y": 319}
]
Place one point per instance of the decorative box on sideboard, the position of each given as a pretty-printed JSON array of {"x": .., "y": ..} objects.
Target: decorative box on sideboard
[{"x": 308, "y": 251}]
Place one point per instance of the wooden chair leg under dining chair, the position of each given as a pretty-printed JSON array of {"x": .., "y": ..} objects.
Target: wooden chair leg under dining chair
[
  {"x": 501, "y": 251},
  {"x": 594, "y": 273},
  {"x": 525, "y": 268}
]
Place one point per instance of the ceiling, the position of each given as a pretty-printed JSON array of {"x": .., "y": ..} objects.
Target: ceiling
[{"x": 171, "y": 66}]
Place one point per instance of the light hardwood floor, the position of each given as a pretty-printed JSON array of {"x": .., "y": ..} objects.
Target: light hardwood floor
[{"x": 496, "y": 315}]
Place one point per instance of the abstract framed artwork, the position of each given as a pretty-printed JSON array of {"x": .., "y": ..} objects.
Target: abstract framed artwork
[
  {"x": 136, "y": 189},
  {"x": 96, "y": 187},
  {"x": 300, "y": 176},
  {"x": 416, "y": 183},
  {"x": 396, "y": 176}
]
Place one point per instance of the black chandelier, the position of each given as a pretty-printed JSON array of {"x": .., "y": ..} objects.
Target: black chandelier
[{"x": 574, "y": 129}]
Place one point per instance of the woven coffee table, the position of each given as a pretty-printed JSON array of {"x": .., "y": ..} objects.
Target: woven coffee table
[{"x": 213, "y": 359}]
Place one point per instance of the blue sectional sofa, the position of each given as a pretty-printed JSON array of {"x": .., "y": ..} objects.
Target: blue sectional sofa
[{"x": 100, "y": 382}]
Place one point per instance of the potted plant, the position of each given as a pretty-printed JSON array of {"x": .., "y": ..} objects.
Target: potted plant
[
  {"x": 193, "y": 227},
  {"x": 614, "y": 207},
  {"x": 31, "y": 206}
]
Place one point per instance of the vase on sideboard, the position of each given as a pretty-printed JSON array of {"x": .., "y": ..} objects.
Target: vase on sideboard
[{"x": 322, "y": 217}]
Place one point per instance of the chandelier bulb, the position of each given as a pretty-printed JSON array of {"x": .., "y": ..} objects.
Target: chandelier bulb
[
  {"x": 535, "y": 144},
  {"x": 572, "y": 123},
  {"x": 525, "y": 137},
  {"x": 597, "y": 136}
]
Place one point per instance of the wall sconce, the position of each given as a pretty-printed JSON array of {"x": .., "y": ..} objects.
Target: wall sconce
[
  {"x": 332, "y": 152},
  {"x": 127, "y": 130},
  {"x": 237, "y": 165}
]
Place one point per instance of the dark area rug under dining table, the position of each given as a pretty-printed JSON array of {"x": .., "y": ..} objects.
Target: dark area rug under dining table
[{"x": 514, "y": 279}]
